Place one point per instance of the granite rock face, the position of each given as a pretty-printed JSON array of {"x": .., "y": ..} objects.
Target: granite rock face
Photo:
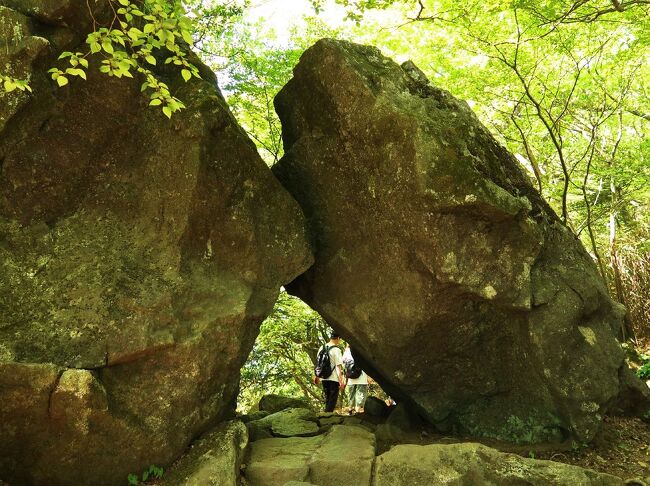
[
  {"x": 214, "y": 460},
  {"x": 276, "y": 403},
  {"x": 343, "y": 455},
  {"x": 138, "y": 257},
  {"x": 456, "y": 284},
  {"x": 470, "y": 463}
]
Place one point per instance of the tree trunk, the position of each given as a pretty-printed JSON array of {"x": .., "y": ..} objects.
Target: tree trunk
[{"x": 626, "y": 331}]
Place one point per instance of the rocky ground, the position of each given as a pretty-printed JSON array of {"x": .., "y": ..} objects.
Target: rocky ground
[
  {"x": 298, "y": 446},
  {"x": 621, "y": 449}
]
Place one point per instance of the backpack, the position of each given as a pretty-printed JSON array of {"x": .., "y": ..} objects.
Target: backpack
[
  {"x": 323, "y": 368},
  {"x": 352, "y": 370}
]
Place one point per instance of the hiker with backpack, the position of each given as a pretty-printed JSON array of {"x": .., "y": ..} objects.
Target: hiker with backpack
[
  {"x": 357, "y": 382},
  {"x": 328, "y": 371}
]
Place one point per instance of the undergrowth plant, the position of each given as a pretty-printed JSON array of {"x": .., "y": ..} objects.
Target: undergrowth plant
[{"x": 152, "y": 472}]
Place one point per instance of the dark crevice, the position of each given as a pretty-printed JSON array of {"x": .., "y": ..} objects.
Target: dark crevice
[
  {"x": 44, "y": 125},
  {"x": 52, "y": 390},
  {"x": 50, "y": 223}
]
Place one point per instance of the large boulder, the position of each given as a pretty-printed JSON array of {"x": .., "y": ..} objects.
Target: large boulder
[
  {"x": 457, "y": 285},
  {"x": 469, "y": 463},
  {"x": 214, "y": 460},
  {"x": 291, "y": 422},
  {"x": 138, "y": 257},
  {"x": 275, "y": 403},
  {"x": 275, "y": 461},
  {"x": 345, "y": 455}
]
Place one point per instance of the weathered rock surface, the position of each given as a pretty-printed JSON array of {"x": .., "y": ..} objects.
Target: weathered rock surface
[
  {"x": 137, "y": 258},
  {"x": 400, "y": 426},
  {"x": 292, "y": 422},
  {"x": 456, "y": 284},
  {"x": 469, "y": 464},
  {"x": 214, "y": 460},
  {"x": 345, "y": 455},
  {"x": 274, "y": 462},
  {"x": 275, "y": 403}
]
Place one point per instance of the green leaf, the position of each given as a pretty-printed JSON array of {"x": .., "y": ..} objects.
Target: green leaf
[
  {"x": 167, "y": 111},
  {"x": 9, "y": 85},
  {"x": 187, "y": 37},
  {"x": 76, "y": 72},
  {"x": 155, "y": 102},
  {"x": 151, "y": 60},
  {"x": 95, "y": 47},
  {"x": 108, "y": 46},
  {"x": 135, "y": 33},
  {"x": 61, "y": 81},
  {"x": 124, "y": 2},
  {"x": 187, "y": 75}
]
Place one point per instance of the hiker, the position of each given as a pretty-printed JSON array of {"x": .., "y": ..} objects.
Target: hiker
[
  {"x": 357, "y": 383},
  {"x": 329, "y": 371}
]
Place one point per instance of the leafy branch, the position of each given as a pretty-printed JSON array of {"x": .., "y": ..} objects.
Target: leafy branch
[
  {"x": 12, "y": 84},
  {"x": 141, "y": 34}
]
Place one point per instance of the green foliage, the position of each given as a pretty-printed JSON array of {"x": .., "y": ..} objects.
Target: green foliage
[
  {"x": 283, "y": 357},
  {"x": 10, "y": 84},
  {"x": 142, "y": 33},
  {"x": 152, "y": 472},
  {"x": 644, "y": 371},
  {"x": 355, "y": 8},
  {"x": 252, "y": 82},
  {"x": 578, "y": 446},
  {"x": 254, "y": 66}
]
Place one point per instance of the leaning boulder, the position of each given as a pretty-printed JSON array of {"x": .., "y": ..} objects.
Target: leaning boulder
[
  {"x": 138, "y": 257},
  {"x": 457, "y": 285}
]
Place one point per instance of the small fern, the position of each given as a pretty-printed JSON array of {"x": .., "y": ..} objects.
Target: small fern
[{"x": 153, "y": 472}]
